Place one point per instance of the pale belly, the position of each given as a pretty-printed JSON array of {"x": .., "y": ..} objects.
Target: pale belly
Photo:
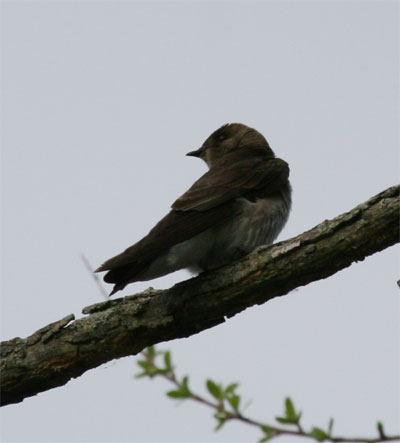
[{"x": 257, "y": 223}]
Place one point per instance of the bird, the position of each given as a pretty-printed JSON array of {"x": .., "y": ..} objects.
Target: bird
[{"x": 241, "y": 202}]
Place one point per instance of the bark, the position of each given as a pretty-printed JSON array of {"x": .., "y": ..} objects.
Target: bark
[{"x": 117, "y": 328}]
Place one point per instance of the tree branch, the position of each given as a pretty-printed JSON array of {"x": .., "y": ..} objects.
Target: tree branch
[{"x": 117, "y": 328}]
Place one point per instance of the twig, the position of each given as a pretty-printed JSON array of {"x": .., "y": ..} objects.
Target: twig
[{"x": 227, "y": 408}]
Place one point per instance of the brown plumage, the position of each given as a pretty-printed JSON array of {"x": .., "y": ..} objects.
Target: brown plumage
[{"x": 241, "y": 202}]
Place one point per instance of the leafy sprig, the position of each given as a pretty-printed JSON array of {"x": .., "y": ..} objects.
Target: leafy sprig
[{"x": 226, "y": 403}]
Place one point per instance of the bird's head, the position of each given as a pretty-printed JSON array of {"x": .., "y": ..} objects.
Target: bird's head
[{"x": 230, "y": 138}]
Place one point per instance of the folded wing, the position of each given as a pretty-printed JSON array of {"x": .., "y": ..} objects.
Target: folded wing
[{"x": 238, "y": 174}]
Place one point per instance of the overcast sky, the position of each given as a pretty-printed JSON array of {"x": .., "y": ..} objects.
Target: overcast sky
[{"x": 101, "y": 100}]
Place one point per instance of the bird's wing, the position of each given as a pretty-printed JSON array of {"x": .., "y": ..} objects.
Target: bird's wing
[
  {"x": 174, "y": 228},
  {"x": 238, "y": 175}
]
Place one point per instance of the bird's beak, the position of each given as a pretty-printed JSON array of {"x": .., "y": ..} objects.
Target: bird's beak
[{"x": 196, "y": 153}]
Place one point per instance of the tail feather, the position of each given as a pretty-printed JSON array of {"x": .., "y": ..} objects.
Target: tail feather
[
  {"x": 115, "y": 289},
  {"x": 101, "y": 268},
  {"x": 119, "y": 275}
]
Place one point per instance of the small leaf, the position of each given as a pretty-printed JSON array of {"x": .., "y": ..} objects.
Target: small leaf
[
  {"x": 381, "y": 432},
  {"x": 185, "y": 382},
  {"x": 151, "y": 352},
  {"x": 286, "y": 421},
  {"x": 330, "y": 427},
  {"x": 220, "y": 416},
  {"x": 291, "y": 415},
  {"x": 142, "y": 374},
  {"x": 179, "y": 393},
  {"x": 231, "y": 388},
  {"x": 167, "y": 361},
  {"x": 145, "y": 365},
  {"x": 234, "y": 401},
  {"x": 269, "y": 433},
  {"x": 290, "y": 411},
  {"x": 267, "y": 437},
  {"x": 219, "y": 425},
  {"x": 319, "y": 434},
  {"x": 266, "y": 429},
  {"x": 148, "y": 368},
  {"x": 214, "y": 389}
]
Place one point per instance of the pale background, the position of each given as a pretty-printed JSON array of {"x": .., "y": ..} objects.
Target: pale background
[{"x": 101, "y": 100}]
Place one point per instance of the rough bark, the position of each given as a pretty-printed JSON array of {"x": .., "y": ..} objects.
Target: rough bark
[{"x": 117, "y": 328}]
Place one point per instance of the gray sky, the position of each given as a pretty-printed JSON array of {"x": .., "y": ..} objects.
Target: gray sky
[{"x": 101, "y": 100}]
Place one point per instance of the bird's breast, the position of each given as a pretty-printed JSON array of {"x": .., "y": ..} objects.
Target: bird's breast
[
  {"x": 253, "y": 223},
  {"x": 257, "y": 223}
]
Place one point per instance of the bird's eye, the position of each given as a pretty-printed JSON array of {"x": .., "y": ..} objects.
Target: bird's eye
[{"x": 221, "y": 137}]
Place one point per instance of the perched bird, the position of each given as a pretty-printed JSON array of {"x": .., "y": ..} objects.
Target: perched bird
[{"x": 242, "y": 202}]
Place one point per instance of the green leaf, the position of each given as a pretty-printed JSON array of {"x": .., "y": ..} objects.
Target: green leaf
[
  {"x": 220, "y": 416},
  {"x": 286, "y": 421},
  {"x": 319, "y": 434},
  {"x": 148, "y": 368},
  {"x": 185, "y": 382},
  {"x": 231, "y": 388},
  {"x": 266, "y": 429},
  {"x": 269, "y": 433},
  {"x": 145, "y": 365},
  {"x": 151, "y": 352},
  {"x": 291, "y": 415},
  {"x": 214, "y": 389},
  {"x": 289, "y": 408},
  {"x": 219, "y": 425},
  {"x": 178, "y": 393},
  {"x": 234, "y": 401},
  {"x": 381, "y": 432},
  {"x": 167, "y": 361},
  {"x": 142, "y": 374},
  {"x": 330, "y": 426},
  {"x": 266, "y": 438}
]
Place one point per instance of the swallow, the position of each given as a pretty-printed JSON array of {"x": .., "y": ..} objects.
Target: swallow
[{"x": 242, "y": 201}]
